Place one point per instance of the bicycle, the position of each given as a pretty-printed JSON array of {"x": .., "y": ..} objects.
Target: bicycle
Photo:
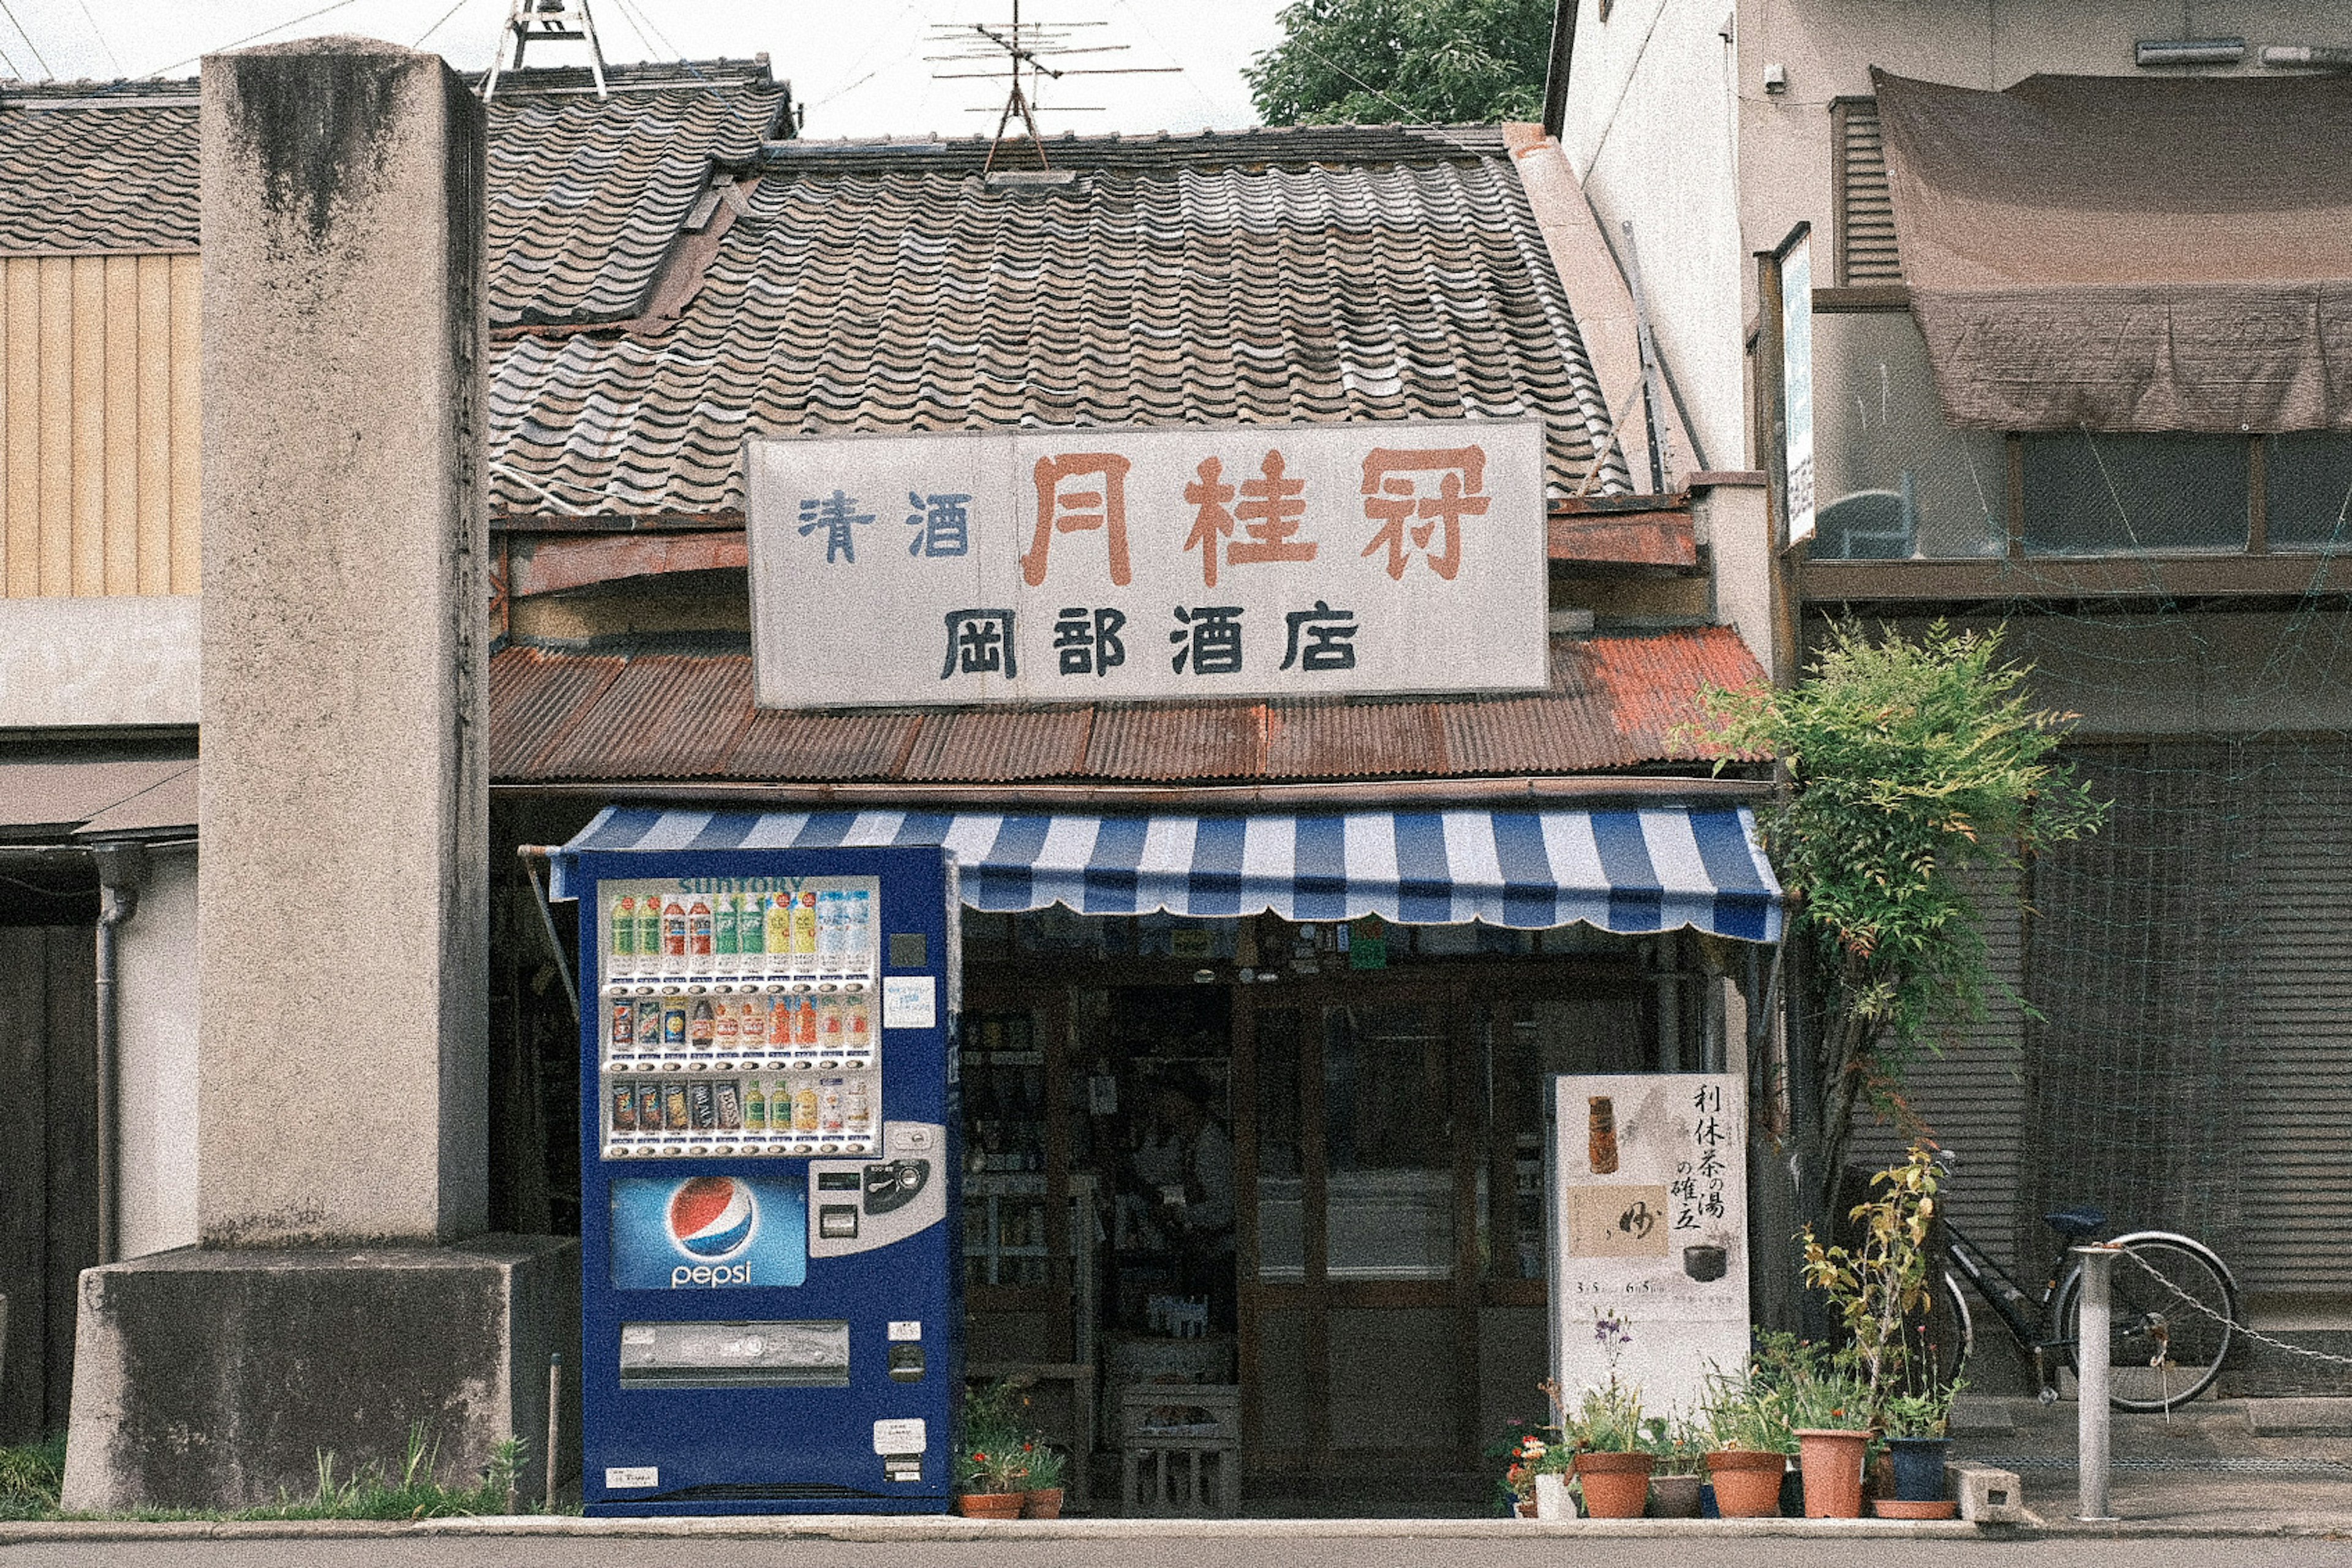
[{"x": 2173, "y": 1309}]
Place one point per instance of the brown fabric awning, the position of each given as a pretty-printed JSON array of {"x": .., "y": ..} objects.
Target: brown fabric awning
[{"x": 2129, "y": 255}]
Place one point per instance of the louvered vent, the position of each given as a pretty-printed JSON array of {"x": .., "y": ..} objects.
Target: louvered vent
[{"x": 1866, "y": 252}]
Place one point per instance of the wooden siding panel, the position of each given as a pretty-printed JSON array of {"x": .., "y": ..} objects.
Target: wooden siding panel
[
  {"x": 154, "y": 434},
  {"x": 57, "y": 424},
  {"x": 23, "y": 495},
  {"x": 120, "y": 327},
  {"x": 100, "y": 425},
  {"x": 188, "y": 422},
  {"x": 88, "y": 460}
]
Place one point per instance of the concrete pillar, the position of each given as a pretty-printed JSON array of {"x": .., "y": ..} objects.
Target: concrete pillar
[
  {"x": 342, "y": 1297},
  {"x": 343, "y": 959}
]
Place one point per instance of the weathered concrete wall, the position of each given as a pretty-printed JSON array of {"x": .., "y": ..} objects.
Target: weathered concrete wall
[
  {"x": 157, "y": 1061},
  {"x": 215, "y": 1378},
  {"x": 342, "y": 958},
  {"x": 127, "y": 660}
]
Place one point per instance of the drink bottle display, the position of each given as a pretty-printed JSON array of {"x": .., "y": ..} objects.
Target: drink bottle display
[
  {"x": 699, "y": 1025},
  {"x": 625, "y": 934},
  {"x": 780, "y": 932},
  {"x": 805, "y": 1030},
  {"x": 805, "y": 932},
  {"x": 860, "y": 1041},
  {"x": 755, "y": 1107},
  {"x": 727, "y": 1030},
  {"x": 856, "y": 1109},
  {"x": 727, "y": 930},
  {"x": 828, "y": 1106},
  {"x": 751, "y": 1029},
  {"x": 861, "y": 930},
  {"x": 804, "y": 1107},
  {"x": 673, "y": 937},
  {"x": 751, "y": 932},
  {"x": 698, "y": 936},
  {"x": 649, "y": 941}
]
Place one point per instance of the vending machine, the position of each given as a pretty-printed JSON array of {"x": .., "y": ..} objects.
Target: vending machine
[{"x": 772, "y": 1303}]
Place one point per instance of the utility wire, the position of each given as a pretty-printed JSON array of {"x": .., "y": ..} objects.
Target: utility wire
[
  {"x": 439, "y": 26},
  {"x": 9, "y": 11},
  {"x": 240, "y": 42},
  {"x": 101, "y": 36}
]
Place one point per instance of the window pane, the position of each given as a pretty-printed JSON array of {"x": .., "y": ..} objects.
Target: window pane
[
  {"x": 2308, "y": 479},
  {"x": 1893, "y": 480},
  {"x": 1389, "y": 1142},
  {"x": 1281, "y": 1211},
  {"x": 2090, "y": 494}
]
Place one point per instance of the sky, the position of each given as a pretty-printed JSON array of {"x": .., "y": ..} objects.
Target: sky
[{"x": 857, "y": 65}]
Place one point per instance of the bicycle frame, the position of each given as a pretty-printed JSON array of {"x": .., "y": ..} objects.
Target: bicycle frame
[{"x": 2026, "y": 1315}]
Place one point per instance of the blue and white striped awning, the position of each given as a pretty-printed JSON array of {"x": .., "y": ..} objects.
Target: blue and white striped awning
[{"x": 1632, "y": 871}]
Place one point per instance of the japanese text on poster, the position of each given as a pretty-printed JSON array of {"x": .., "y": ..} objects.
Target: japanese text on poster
[
  {"x": 1650, "y": 1269},
  {"x": 1077, "y": 565}
]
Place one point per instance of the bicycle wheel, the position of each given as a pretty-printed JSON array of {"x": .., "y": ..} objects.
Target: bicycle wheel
[{"x": 2174, "y": 1309}]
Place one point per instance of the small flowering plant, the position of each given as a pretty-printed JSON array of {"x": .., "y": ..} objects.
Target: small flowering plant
[{"x": 994, "y": 1454}]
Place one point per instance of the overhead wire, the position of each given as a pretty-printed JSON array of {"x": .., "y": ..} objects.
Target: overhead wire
[
  {"x": 249, "y": 38},
  {"x": 100, "y": 35},
  {"x": 10, "y": 12},
  {"x": 436, "y": 26}
]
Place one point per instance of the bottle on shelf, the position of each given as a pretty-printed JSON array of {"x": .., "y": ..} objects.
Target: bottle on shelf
[
  {"x": 673, "y": 937},
  {"x": 622, "y": 952}
]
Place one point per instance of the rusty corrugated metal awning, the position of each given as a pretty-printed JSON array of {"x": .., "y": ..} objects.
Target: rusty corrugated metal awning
[{"x": 1618, "y": 700}]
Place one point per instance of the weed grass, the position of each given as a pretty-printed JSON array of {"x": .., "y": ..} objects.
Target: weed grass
[{"x": 32, "y": 1476}]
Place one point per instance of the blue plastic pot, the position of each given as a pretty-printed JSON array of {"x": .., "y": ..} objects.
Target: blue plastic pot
[{"x": 1919, "y": 1468}]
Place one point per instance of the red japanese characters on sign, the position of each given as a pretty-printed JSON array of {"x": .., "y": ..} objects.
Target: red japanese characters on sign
[{"x": 1129, "y": 563}]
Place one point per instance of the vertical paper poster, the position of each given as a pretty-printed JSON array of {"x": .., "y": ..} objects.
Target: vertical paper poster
[
  {"x": 1797, "y": 383},
  {"x": 1650, "y": 1231}
]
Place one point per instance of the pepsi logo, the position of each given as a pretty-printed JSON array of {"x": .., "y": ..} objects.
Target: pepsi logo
[{"x": 712, "y": 1216}]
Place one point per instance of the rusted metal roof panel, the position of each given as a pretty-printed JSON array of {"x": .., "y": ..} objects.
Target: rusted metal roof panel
[
  {"x": 1664, "y": 538},
  {"x": 1144, "y": 741},
  {"x": 668, "y": 715},
  {"x": 1000, "y": 743},
  {"x": 552, "y": 565},
  {"x": 1617, "y": 700},
  {"x": 1352, "y": 740},
  {"x": 535, "y": 697},
  {"x": 826, "y": 746}
]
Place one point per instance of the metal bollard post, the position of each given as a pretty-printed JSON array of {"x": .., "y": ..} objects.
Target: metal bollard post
[
  {"x": 2091, "y": 1352},
  {"x": 554, "y": 1422}
]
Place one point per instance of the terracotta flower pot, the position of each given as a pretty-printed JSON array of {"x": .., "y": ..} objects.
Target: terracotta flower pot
[
  {"x": 1832, "y": 1459},
  {"x": 1895, "y": 1508},
  {"x": 1747, "y": 1483},
  {"x": 1527, "y": 1509},
  {"x": 990, "y": 1505},
  {"x": 1616, "y": 1485},
  {"x": 1674, "y": 1497},
  {"x": 1042, "y": 1502}
]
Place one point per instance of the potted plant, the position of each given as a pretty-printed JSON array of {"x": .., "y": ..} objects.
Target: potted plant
[
  {"x": 1917, "y": 1428},
  {"x": 1041, "y": 1497},
  {"x": 993, "y": 1459},
  {"x": 1829, "y": 1413},
  {"x": 1748, "y": 1441},
  {"x": 1676, "y": 1442},
  {"x": 1613, "y": 1467},
  {"x": 1532, "y": 1453}
]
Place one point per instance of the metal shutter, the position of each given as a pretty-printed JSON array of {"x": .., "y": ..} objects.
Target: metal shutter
[
  {"x": 2297, "y": 1044},
  {"x": 1972, "y": 1096},
  {"x": 1865, "y": 209}
]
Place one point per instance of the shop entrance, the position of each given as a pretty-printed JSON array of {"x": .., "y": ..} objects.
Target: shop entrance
[{"x": 1326, "y": 1191}]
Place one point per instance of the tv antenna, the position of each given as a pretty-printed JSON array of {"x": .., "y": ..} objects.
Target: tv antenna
[
  {"x": 1014, "y": 48},
  {"x": 545, "y": 22}
]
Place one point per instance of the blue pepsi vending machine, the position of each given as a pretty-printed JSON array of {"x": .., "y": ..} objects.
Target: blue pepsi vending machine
[{"x": 771, "y": 1309}]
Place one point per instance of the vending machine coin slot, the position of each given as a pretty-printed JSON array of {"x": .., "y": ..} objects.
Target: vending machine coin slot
[
  {"x": 896, "y": 1185},
  {"x": 837, "y": 1222}
]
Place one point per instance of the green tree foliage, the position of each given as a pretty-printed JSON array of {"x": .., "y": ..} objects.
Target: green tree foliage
[
  {"x": 1916, "y": 774},
  {"x": 1371, "y": 62}
]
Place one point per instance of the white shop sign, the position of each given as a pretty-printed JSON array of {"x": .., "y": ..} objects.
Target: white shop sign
[
  {"x": 1649, "y": 1231},
  {"x": 1121, "y": 564}
]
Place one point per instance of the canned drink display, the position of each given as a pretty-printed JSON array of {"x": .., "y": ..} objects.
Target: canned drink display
[
  {"x": 649, "y": 1110},
  {"x": 702, "y": 1105},
  {"x": 623, "y": 1034},
  {"x": 856, "y": 1109},
  {"x": 675, "y": 1115},
  {"x": 729, "y": 1096},
  {"x": 625, "y": 934},
  {"x": 804, "y": 1109},
  {"x": 861, "y": 1026},
  {"x": 699, "y": 1027},
  {"x": 673, "y": 1023},
  {"x": 623, "y": 1099},
  {"x": 828, "y": 1106},
  {"x": 650, "y": 1024}
]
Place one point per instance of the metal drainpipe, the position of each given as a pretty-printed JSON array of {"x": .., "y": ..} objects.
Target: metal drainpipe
[{"x": 121, "y": 870}]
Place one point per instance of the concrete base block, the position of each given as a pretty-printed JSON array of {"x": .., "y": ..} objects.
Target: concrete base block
[
  {"x": 1987, "y": 1496},
  {"x": 2309, "y": 1413},
  {"x": 215, "y": 1378}
]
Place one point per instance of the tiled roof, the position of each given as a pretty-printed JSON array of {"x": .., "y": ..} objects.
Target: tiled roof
[
  {"x": 1253, "y": 278},
  {"x": 96, "y": 168},
  {"x": 1617, "y": 700},
  {"x": 587, "y": 196}
]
